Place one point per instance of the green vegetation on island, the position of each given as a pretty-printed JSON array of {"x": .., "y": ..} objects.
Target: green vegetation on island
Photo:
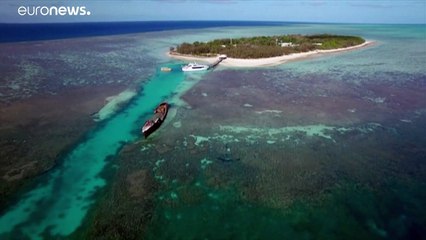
[{"x": 267, "y": 46}]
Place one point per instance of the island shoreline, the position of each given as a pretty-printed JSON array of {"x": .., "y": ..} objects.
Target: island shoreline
[{"x": 266, "y": 62}]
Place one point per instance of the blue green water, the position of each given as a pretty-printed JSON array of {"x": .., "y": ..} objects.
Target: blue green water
[
  {"x": 369, "y": 185},
  {"x": 60, "y": 202},
  {"x": 266, "y": 172}
]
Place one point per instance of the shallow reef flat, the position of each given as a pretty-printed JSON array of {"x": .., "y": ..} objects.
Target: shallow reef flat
[
  {"x": 269, "y": 149},
  {"x": 281, "y": 98},
  {"x": 46, "y": 67},
  {"x": 230, "y": 178},
  {"x": 326, "y": 148},
  {"x": 48, "y": 92}
]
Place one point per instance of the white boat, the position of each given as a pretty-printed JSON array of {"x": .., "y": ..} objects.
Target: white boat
[
  {"x": 222, "y": 57},
  {"x": 194, "y": 67}
]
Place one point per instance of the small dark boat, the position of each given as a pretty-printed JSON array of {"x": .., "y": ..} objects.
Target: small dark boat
[{"x": 154, "y": 123}]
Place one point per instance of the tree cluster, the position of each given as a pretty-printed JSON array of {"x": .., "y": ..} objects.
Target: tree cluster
[{"x": 267, "y": 46}]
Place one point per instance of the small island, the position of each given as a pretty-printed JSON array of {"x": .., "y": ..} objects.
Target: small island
[{"x": 265, "y": 50}]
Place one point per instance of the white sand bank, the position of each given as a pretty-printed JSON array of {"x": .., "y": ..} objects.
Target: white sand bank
[{"x": 113, "y": 104}]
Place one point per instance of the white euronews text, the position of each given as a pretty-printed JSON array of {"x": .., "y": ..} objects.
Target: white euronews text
[{"x": 53, "y": 11}]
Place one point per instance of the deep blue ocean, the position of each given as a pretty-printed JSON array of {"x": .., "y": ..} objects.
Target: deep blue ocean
[{"x": 47, "y": 31}]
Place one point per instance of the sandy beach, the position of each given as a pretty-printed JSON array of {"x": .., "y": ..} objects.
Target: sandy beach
[{"x": 262, "y": 62}]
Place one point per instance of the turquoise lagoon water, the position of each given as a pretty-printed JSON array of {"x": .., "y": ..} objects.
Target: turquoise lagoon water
[
  {"x": 58, "y": 205},
  {"x": 60, "y": 202}
]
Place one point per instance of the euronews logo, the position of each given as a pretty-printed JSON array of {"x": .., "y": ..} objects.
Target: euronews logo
[{"x": 53, "y": 11}]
